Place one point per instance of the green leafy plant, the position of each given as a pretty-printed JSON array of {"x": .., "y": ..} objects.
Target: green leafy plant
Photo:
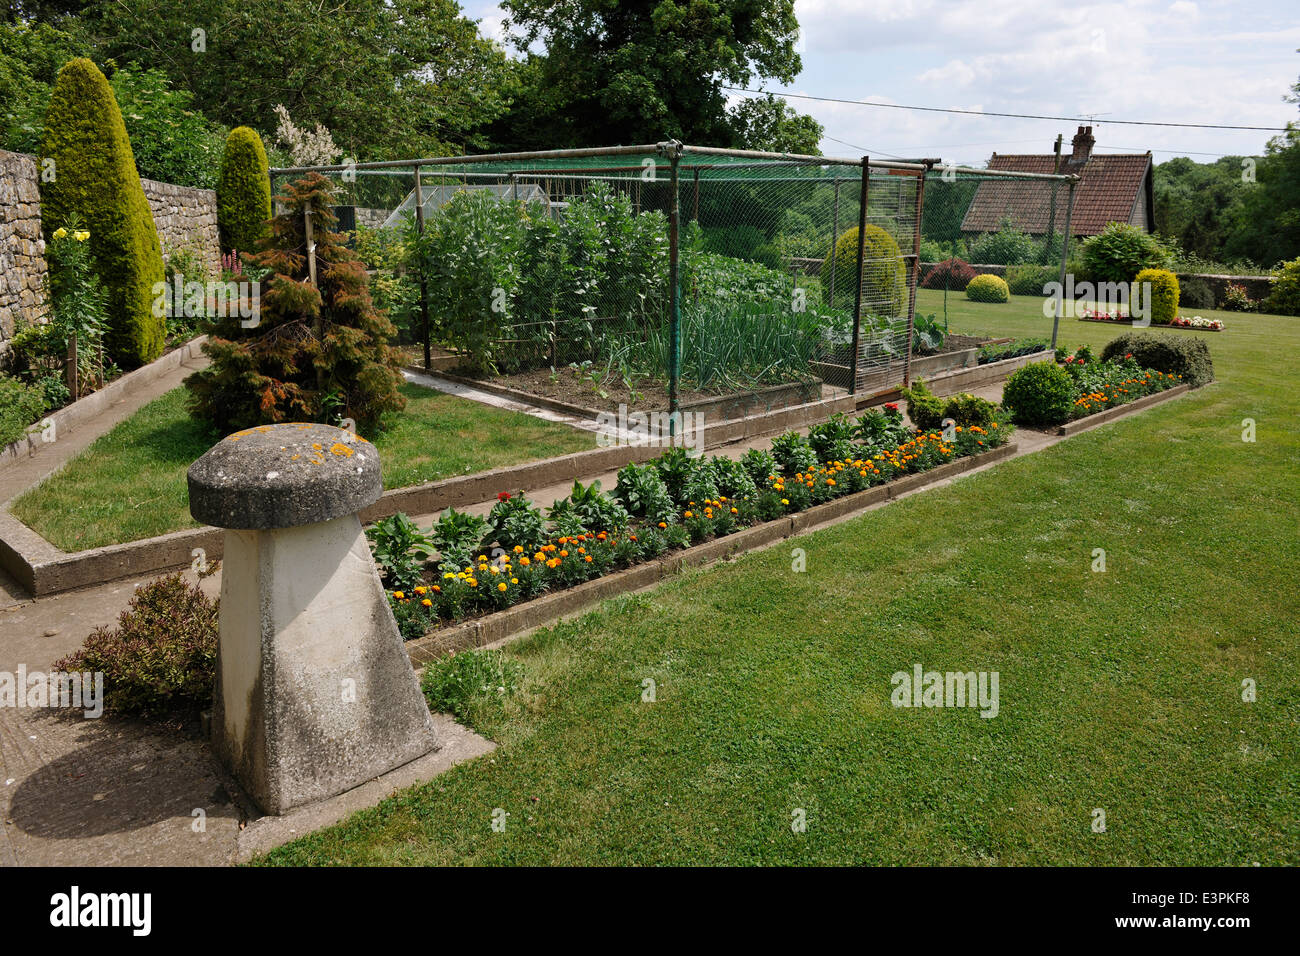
[
  {"x": 160, "y": 659},
  {"x": 1237, "y": 299},
  {"x": 514, "y": 520},
  {"x": 1006, "y": 247},
  {"x": 675, "y": 467},
  {"x": 1284, "y": 299},
  {"x": 759, "y": 465},
  {"x": 793, "y": 453},
  {"x": 825, "y": 436},
  {"x": 928, "y": 335},
  {"x": 644, "y": 494},
  {"x": 924, "y": 408},
  {"x": 1041, "y": 393},
  {"x": 597, "y": 511},
  {"x": 77, "y": 301},
  {"x": 966, "y": 410},
  {"x": 1027, "y": 279},
  {"x": 1120, "y": 251},
  {"x": 20, "y": 406},
  {"x": 401, "y": 550},
  {"x": 455, "y": 534}
]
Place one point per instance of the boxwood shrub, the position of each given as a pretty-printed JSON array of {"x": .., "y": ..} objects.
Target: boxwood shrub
[
  {"x": 884, "y": 276},
  {"x": 1164, "y": 294},
  {"x": 988, "y": 288},
  {"x": 1183, "y": 355},
  {"x": 1041, "y": 393}
]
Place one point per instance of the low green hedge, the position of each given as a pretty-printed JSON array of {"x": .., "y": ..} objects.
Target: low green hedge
[
  {"x": 20, "y": 405},
  {"x": 1041, "y": 393},
  {"x": 1183, "y": 355}
]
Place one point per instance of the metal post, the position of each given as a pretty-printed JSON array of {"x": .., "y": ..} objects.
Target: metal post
[
  {"x": 1065, "y": 253},
  {"x": 835, "y": 234},
  {"x": 424, "y": 285},
  {"x": 310, "y": 242},
  {"x": 862, "y": 251},
  {"x": 675, "y": 318},
  {"x": 916, "y": 273}
]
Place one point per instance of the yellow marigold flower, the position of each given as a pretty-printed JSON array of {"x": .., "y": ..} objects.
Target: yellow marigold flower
[
  {"x": 524, "y": 562},
  {"x": 427, "y": 603},
  {"x": 735, "y": 511},
  {"x": 448, "y": 575},
  {"x": 472, "y": 582},
  {"x": 514, "y": 580},
  {"x": 399, "y": 595},
  {"x": 564, "y": 553},
  {"x": 502, "y": 586},
  {"x": 420, "y": 590},
  {"x": 519, "y": 549},
  {"x": 689, "y": 515},
  {"x": 785, "y": 501}
]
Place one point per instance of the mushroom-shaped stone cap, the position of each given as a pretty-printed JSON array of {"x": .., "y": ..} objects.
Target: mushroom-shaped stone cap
[{"x": 282, "y": 476}]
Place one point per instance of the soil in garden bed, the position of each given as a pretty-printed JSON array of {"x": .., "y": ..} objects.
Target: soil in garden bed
[{"x": 609, "y": 395}]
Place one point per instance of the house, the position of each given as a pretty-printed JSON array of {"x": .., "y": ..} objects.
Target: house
[{"x": 1113, "y": 187}]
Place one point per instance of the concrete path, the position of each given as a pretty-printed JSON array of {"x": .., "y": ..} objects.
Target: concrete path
[{"x": 86, "y": 792}]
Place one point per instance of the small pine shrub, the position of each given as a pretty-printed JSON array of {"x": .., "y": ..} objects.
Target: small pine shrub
[
  {"x": 1041, "y": 393},
  {"x": 924, "y": 408},
  {"x": 281, "y": 370},
  {"x": 988, "y": 288},
  {"x": 161, "y": 658},
  {"x": 1284, "y": 299},
  {"x": 949, "y": 274},
  {"x": 884, "y": 276},
  {"x": 1164, "y": 295},
  {"x": 243, "y": 192},
  {"x": 95, "y": 181},
  {"x": 1183, "y": 355}
]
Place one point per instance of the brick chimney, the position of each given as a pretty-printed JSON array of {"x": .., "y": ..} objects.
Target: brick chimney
[{"x": 1082, "y": 143}]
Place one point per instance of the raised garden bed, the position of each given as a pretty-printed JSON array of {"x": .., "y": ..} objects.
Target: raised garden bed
[{"x": 655, "y": 510}]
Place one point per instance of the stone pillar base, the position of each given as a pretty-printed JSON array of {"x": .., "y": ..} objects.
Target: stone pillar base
[{"x": 315, "y": 693}]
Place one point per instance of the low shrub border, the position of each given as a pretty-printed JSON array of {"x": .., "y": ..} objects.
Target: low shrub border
[{"x": 500, "y": 626}]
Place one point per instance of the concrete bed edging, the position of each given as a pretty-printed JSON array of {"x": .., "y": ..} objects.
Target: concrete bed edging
[
  {"x": 1119, "y": 411},
  {"x": 513, "y": 622},
  {"x": 67, "y": 419},
  {"x": 43, "y": 569}
]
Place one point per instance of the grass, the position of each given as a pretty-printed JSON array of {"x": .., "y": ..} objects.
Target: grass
[
  {"x": 130, "y": 483},
  {"x": 1119, "y": 691}
]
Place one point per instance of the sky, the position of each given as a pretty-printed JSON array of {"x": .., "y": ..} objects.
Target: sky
[{"x": 1186, "y": 61}]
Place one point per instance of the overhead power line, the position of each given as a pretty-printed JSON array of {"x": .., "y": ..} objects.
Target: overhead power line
[{"x": 1033, "y": 116}]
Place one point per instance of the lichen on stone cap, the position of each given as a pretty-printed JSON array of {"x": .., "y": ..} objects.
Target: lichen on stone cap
[{"x": 283, "y": 476}]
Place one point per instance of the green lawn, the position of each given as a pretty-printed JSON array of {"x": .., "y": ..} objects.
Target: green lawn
[
  {"x": 1119, "y": 691},
  {"x": 130, "y": 483}
]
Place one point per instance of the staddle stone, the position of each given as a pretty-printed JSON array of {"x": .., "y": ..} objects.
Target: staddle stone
[{"x": 315, "y": 693}]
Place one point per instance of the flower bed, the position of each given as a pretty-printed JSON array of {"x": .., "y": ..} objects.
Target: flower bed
[
  {"x": 1103, "y": 385},
  {"x": 672, "y": 503},
  {"x": 1179, "y": 322}
]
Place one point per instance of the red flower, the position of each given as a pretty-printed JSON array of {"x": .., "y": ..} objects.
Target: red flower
[
  {"x": 892, "y": 406},
  {"x": 1128, "y": 355},
  {"x": 503, "y": 496}
]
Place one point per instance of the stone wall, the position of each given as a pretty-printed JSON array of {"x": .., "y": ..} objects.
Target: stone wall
[
  {"x": 22, "y": 250},
  {"x": 184, "y": 217}
]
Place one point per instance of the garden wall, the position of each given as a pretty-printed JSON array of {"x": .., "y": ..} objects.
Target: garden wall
[{"x": 183, "y": 217}]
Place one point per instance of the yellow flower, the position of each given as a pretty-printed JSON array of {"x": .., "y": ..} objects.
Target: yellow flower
[
  {"x": 427, "y": 603},
  {"x": 785, "y": 501},
  {"x": 81, "y": 235},
  {"x": 60, "y": 233},
  {"x": 502, "y": 586},
  {"x": 399, "y": 595}
]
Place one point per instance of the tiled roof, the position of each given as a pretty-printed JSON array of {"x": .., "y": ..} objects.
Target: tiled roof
[{"x": 1108, "y": 187}]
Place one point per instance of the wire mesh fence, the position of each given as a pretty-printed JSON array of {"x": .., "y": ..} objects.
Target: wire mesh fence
[{"x": 658, "y": 277}]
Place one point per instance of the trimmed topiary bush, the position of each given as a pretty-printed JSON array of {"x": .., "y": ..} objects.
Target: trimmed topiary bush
[
  {"x": 1183, "y": 355},
  {"x": 1164, "y": 295},
  {"x": 988, "y": 288},
  {"x": 94, "y": 179},
  {"x": 949, "y": 274},
  {"x": 1041, "y": 393},
  {"x": 317, "y": 353},
  {"x": 243, "y": 192},
  {"x": 884, "y": 277}
]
